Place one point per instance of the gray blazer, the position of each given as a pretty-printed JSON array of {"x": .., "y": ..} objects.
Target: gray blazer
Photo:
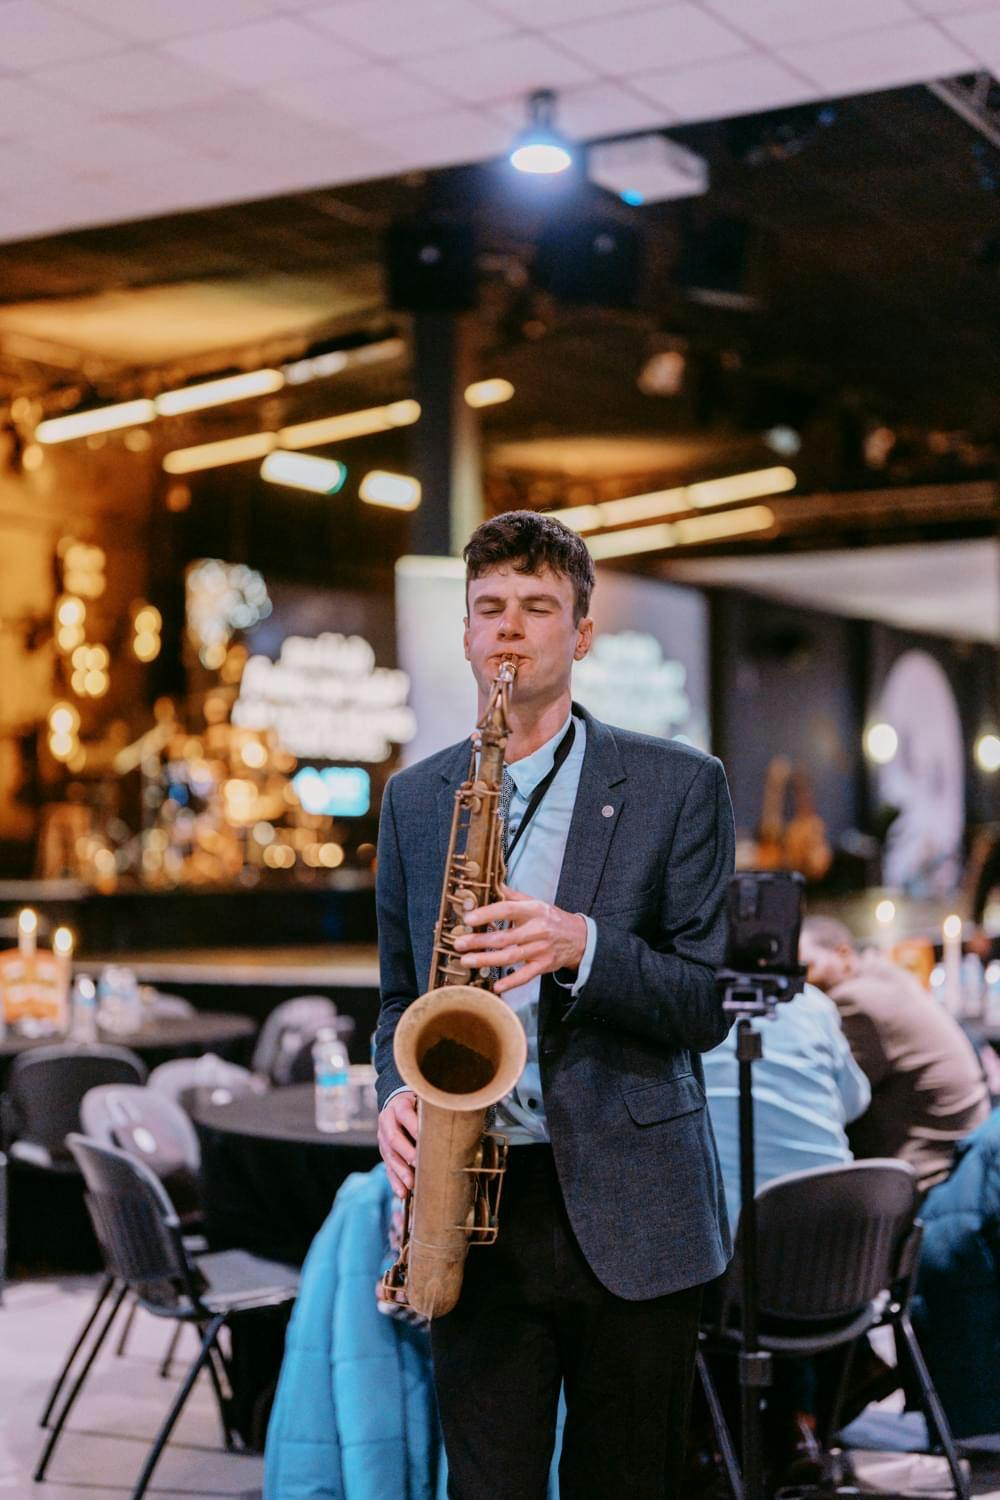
[{"x": 620, "y": 1064}]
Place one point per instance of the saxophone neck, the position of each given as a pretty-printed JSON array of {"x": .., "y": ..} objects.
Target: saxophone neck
[{"x": 494, "y": 726}]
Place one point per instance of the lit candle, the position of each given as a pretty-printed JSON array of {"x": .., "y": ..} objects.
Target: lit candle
[
  {"x": 885, "y": 916},
  {"x": 62, "y": 952},
  {"x": 952, "y": 994},
  {"x": 27, "y": 932},
  {"x": 62, "y": 943}
]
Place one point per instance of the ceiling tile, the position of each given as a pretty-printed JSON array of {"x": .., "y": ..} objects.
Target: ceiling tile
[
  {"x": 513, "y": 65},
  {"x": 595, "y": 110},
  {"x": 147, "y": 21},
  {"x": 248, "y": 129},
  {"x": 141, "y": 78},
  {"x": 543, "y": 15},
  {"x": 651, "y": 40},
  {"x": 782, "y": 23},
  {"x": 979, "y": 34},
  {"x": 265, "y": 51},
  {"x": 731, "y": 86},
  {"x": 460, "y": 135},
  {"x": 21, "y": 163},
  {"x": 109, "y": 146},
  {"x": 360, "y": 97},
  {"x": 885, "y": 59},
  {"x": 405, "y": 28},
  {"x": 33, "y": 35},
  {"x": 946, "y": 7},
  {"x": 25, "y": 108}
]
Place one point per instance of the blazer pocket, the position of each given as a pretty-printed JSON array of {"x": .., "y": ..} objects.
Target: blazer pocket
[
  {"x": 655, "y": 1102},
  {"x": 616, "y": 905}
]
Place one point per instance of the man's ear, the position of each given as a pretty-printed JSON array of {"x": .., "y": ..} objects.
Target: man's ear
[
  {"x": 465, "y": 638},
  {"x": 584, "y": 639}
]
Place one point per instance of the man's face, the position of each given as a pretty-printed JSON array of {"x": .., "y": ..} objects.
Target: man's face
[
  {"x": 528, "y": 616},
  {"x": 826, "y": 967}
]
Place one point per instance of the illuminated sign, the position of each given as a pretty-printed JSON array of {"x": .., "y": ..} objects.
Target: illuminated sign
[
  {"x": 325, "y": 699},
  {"x": 335, "y": 792},
  {"x": 626, "y": 680}
]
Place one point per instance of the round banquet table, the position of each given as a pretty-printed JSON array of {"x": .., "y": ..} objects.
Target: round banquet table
[
  {"x": 161, "y": 1039},
  {"x": 270, "y": 1176}
]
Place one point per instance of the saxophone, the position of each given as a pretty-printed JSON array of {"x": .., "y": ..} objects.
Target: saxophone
[{"x": 460, "y": 1049}]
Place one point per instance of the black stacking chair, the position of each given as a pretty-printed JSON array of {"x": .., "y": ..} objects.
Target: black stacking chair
[
  {"x": 143, "y": 1246},
  {"x": 45, "y": 1087},
  {"x": 837, "y": 1251},
  {"x": 287, "y": 1035}
]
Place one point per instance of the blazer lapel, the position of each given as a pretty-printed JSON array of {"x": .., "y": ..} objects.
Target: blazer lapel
[
  {"x": 452, "y": 776},
  {"x": 599, "y": 801}
]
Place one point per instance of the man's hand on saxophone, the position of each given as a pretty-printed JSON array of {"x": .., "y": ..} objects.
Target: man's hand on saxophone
[
  {"x": 537, "y": 939},
  {"x": 397, "y": 1141}
]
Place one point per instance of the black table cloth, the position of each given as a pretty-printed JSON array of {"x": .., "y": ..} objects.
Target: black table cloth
[
  {"x": 161, "y": 1039},
  {"x": 270, "y": 1176}
]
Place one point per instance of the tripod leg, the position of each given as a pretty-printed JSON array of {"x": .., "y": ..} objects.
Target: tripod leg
[{"x": 720, "y": 1427}]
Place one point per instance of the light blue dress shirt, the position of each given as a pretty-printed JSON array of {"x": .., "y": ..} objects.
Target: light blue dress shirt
[
  {"x": 806, "y": 1088},
  {"x": 534, "y": 870}
]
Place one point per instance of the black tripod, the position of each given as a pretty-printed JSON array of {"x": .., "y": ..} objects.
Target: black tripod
[{"x": 747, "y": 996}]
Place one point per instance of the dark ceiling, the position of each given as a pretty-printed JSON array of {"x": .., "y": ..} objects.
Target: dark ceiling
[{"x": 866, "y": 295}]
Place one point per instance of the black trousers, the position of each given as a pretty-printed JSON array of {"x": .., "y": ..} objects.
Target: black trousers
[{"x": 532, "y": 1316}]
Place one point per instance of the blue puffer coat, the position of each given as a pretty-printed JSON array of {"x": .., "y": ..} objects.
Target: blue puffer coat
[
  {"x": 354, "y": 1417},
  {"x": 956, "y": 1310}
]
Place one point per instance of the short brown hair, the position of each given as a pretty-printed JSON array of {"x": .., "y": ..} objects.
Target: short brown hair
[
  {"x": 532, "y": 542},
  {"x": 827, "y": 932}
]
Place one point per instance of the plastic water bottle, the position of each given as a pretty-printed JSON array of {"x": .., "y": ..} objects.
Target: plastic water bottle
[
  {"x": 83, "y": 1014},
  {"x": 333, "y": 1085}
]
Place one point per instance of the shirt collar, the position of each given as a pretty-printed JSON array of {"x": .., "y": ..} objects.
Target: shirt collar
[{"x": 527, "y": 772}]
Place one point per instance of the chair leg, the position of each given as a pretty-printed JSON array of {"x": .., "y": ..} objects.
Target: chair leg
[
  {"x": 220, "y": 1395},
  {"x": 934, "y": 1411},
  {"x": 168, "y": 1357},
  {"x": 126, "y": 1329},
  {"x": 720, "y": 1427},
  {"x": 77, "y": 1386},
  {"x": 177, "y": 1406},
  {"x": 107, "y": 1283},
  {"x": 839, "y": 1395}
]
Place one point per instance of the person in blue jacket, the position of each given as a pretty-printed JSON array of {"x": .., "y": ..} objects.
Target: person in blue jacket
[{"x": 956, "y": 1309}]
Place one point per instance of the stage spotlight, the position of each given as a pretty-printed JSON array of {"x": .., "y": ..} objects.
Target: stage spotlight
[{"x": 541, "y": 150}]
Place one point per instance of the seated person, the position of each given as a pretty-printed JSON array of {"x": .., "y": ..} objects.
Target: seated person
[
  {"x": 928, "y": 1090},
  {"x": 806, "y": 1087}
]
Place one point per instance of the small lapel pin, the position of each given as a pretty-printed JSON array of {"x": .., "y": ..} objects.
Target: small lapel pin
[{"x": 607, "y": 811}]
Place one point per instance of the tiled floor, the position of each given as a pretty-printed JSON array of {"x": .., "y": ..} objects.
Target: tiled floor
[{"x": 103, "y": 1447}]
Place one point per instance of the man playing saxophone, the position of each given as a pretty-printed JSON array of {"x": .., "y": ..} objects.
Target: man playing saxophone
[{"x": 612, "y": 1216}]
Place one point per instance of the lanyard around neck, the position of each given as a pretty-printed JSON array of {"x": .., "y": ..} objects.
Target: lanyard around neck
[{"x": 535, "y": 801}]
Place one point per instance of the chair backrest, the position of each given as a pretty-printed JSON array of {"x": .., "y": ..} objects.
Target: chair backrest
[
  {"x": 829, "y": 1240},
  {"x": 149, "y": 1125},
  {"x": 289, "y": 1030},
  {"x": 207, "y": 1076},
  {"x": 135, "y": 1223},
  {"x": 156, "y": 1130},
  {"x": 46, "y": 1085}
]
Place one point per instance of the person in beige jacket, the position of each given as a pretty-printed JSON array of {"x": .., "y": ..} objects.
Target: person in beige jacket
[{"x": 928, "y": 1090}]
